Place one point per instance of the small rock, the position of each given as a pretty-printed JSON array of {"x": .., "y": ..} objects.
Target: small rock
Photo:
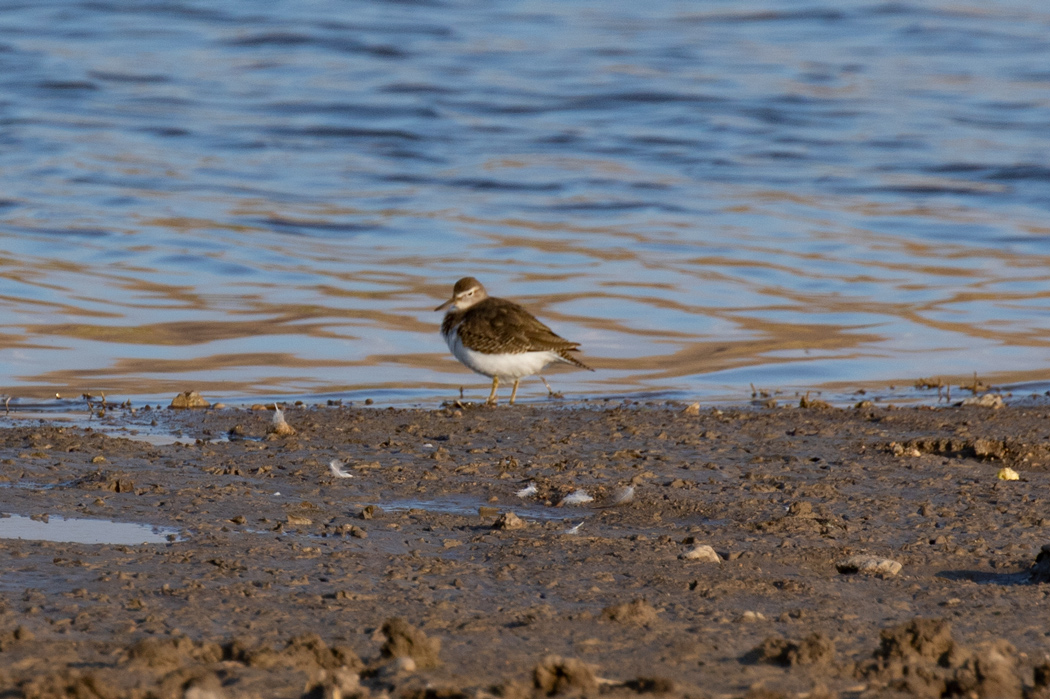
[
  {"x": 188, "y": 399},
  {"x": 509, "y": 521},
  {"x": 988, "y": 400},
  {"x": 869, "y": 565},
  {"x": 1008, "y": 474},
  {"x": 701, "y": 552},
  {"x": 692, "y": 410}
]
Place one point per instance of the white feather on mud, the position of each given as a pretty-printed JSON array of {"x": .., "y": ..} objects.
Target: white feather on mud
[
  {"x": 621, "y": 496},
  {"x": 528, "y": 491},
  {"x": 335, "y": 466},
  {"x": 576, "y": 497},
  {"x": 279, "y": 426},
  {"x": 574, "y": 530}
]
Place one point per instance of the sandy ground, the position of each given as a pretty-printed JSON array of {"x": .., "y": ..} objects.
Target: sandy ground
[{"x": 410, "y": 577}]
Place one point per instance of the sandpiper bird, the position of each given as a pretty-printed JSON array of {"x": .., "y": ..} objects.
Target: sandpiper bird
[{"x": 499, "y": 338}]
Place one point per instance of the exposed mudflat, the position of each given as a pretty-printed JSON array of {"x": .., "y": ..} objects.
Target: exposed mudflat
[{"x": 271, "y": 576}]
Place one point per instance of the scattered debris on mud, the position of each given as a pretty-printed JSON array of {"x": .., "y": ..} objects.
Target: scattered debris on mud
[{"x": 599, "y": 550}]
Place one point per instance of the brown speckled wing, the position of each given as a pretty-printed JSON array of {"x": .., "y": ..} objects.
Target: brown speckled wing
[{"x": 497, "y": 325}]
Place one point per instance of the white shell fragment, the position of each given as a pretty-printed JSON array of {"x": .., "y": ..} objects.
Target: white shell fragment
[
  {"x": 576, "y": 497},
  {"x": 336, "y": 468},
  {"x": 701, "y": 552},
  {"x": 988, "y": 400}
]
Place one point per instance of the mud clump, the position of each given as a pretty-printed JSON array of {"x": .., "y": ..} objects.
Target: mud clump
[
  {"x": 189, "y": 399},
  {"x": 173, "y": 652},
  {"x": 815, "y": 649},
  {"x": 983, "y": 448},
  {"x": 405, "y": 641},
  {"x": 306, "y": 652},
  {"x": 637, "y": 612},
  {"x": 921, "y": 658},
  {"x": 556, "y": 675},
  {"x": 66, "y": 683},
  {"x": 19, "y": 634},
  {"x": 1040, "y": 572},
  {"x": 509, "y": 522}
]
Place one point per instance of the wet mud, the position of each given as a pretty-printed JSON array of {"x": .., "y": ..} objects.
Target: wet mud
[{"x": 592, "y": 550}]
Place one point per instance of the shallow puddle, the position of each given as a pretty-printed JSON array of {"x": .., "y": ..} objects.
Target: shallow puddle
[
  {"x": 126, "y": 425},
  {"x": 470, "y": 506},
  {"x": 83, "y": 531}
]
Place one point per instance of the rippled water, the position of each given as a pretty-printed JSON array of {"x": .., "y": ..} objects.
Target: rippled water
[{"x": 269, "y": 198}]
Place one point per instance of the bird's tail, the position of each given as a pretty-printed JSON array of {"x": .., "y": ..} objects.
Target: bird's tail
[{"x": 564, "y": 354}]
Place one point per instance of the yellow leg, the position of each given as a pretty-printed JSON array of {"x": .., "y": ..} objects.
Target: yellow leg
[
  {"x": 514, "y": 391},
  {"x": 492, "y": 396}
]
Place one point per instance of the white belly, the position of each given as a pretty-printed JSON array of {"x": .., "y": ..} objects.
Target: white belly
[{"x": 505, "y": 366}]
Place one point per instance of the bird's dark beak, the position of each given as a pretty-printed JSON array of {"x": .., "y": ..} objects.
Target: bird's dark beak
[{"x": 446, "y": 304}]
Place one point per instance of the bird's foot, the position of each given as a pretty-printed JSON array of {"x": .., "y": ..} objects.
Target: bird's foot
[{"x": 551, "y": 393}]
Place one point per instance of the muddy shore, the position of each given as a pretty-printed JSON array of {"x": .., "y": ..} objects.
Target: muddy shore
[{"x": 272, "y": 576}]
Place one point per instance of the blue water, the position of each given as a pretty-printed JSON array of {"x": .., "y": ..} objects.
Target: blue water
[{"x": 269, "y": 198}]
